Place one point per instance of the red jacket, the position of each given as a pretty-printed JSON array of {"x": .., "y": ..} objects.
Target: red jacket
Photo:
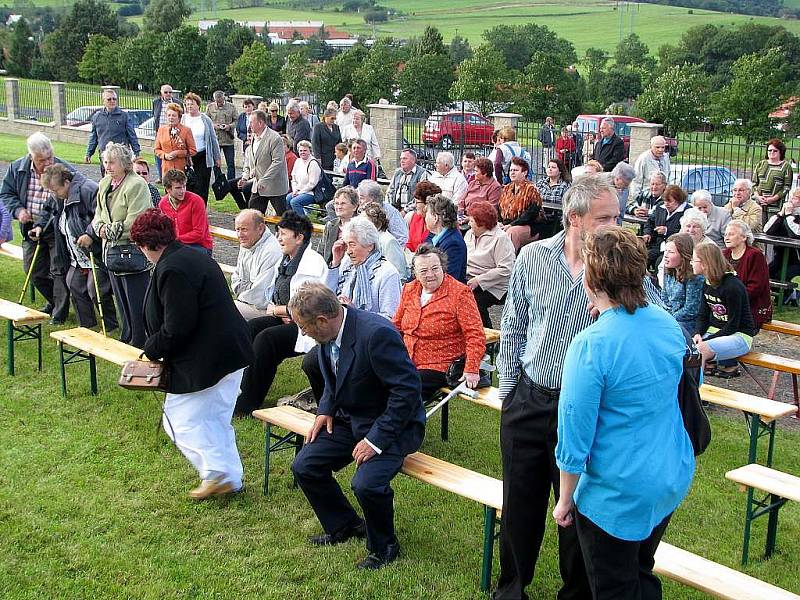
[
  {"x": 753, "y": 271},
  {"x": 447, "y": 327},
  {"x": 191, "y": 221}
]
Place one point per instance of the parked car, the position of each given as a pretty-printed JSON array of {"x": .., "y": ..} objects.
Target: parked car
[
  {"x": 591, "y": 124},
  {"x": 717, "y": 180},
  {"x": 81, "y": 117},
  {"x": 146, "y": 129},
  {"x": 447, "y": 129}
]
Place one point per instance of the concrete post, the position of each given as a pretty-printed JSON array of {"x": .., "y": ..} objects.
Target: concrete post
[
  {"x": 58, "y": 90},
  {"x": 640, "y": 138},
  {"x": 12, "y": 97},
  {"x": 501, "y": 120},
  {"x": 387, "y": 120}
]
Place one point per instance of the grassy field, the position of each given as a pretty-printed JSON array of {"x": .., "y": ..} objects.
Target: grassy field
[
  {"x": 94, "y": 505},
  {"x": 13, "y": 146},
  {"x": 656, "y": 24}
]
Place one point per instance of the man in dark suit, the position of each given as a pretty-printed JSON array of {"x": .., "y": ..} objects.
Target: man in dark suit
[
  {"x": 265, "y": 175},
  {"x": 609, "y": 149},
  {"x": 371, "y": 411}
]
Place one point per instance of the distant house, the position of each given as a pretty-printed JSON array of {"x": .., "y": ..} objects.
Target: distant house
[
  {"x": 12, "y": 19},
  {"x": 780, "y": 115},
  {"x": 285, "y": 32}
]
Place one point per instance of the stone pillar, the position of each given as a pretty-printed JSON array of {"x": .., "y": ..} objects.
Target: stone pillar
[
  {"x": 501, "y": 120},
  {"x": 12, "y": 97},
  {"x": 387, "y": 120},
  {"x": 640, "y": 138},
  {"x": 58, "y": 90},
  {"x": 238, "y": 100}
]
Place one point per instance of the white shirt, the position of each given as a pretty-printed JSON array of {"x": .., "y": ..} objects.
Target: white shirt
[
  {"x": 453, "y": 185},
  {"x": 252, "y": 281},
  {"x": 198, "y": 130}
]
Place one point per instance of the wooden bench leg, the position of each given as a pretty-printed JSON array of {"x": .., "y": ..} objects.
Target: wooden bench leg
[
  {"x": 21, "y": 333},
  {"x": 489, "y": 521},
  {"x": 63, "y": 369},
  {"x": 772, "y": 524},
  {"x": 748, "y": 520},
  {"x": 756, "y": 508},
  {"x": 267, "y": 437},
  {"x": 796, "y": 397},
  {"x": 759, "y": 429},
  {"x": 282, "y": 442},
  {"x": 39, "y": 344},
  {"x": 93, "y": 374},
  {"x": 445, "y": 421},
  {"x": 10, "y": 348}
]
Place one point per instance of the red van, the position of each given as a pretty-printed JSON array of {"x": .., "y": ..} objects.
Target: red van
[{"x": 591, "y": 124}]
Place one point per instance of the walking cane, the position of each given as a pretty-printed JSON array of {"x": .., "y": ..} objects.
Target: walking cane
[
  {"x": 97, "y": 293},
  {"x": 30, "y": 272}
]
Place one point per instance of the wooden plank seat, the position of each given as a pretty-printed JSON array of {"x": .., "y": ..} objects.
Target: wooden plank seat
[
  {"x": 671, "y": 562},
  {"x": 317, "y": 228},
  {"x": 23, "y": 324},
  {"x": 227, "y": 269},
  {"x": 712, "y": 578},
  {"x": 224, "y": 234},
  {"x": 11, "y": 251},
  {"x": 778, "y": 365},
  {"x": 782, "y": 327},
  {"x": 89, "y": 344},
  {"x": 778, "y": 488}
]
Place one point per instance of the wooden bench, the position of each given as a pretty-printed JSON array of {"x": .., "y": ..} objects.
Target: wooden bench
[
  {"x": 779, "y": 488},
  {"x": 89, "y": 344},
  {"x": 224, "y": 234},
  {"x": 782, "y": 327},
  {"x": 671, "y": 562},
  {"x": 227, "y": 269},
  {"x": 11, "y": 251},
  {"x": 777, "y": 364},
  {"x": 316, "y": 228},
  {"x": 23, "y": 324}
]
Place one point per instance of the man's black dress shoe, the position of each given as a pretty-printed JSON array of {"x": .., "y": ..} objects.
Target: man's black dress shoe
[
  {"x": 375, "y": 560},
  {"x": 331, "y": 539},
  {"x": 47, "y": 308},
  {"x": 57, "y": 321}
]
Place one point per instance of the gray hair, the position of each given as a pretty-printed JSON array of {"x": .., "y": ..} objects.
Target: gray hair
[
  {"x": 371, "y": 189},
  {"x": 363, "y": 230},
  {"x": 660, "y": 175},
  {"x": 304, "y": 104},
  {"x": 702, "y": 195},
  {"x": 292, "y": 105},
  {"x": 746, "y": 182},
  {"x": 695, "y": 215},
  {"x": 107, "y": 90},
  {"x": 345, "y": 100},
  {"x": 349, "y": 192},
  {"x": 329, "y": 112},
  {"x": 579, "y": 197},
  {"x": 447, "y": 158},
  {"x": 219, "y": 94},
  {"x": 428, "y": 250},
  {"x": 608, "y": 121},
  {"x": 39, "y": 143},
  {"x": 624, "y": 171},
  {"x": 304, "y": 144},
  {"x": 745, "y": 229},
  {"x": 119, "y": 153},
  {"x": 313, "y": 300}
]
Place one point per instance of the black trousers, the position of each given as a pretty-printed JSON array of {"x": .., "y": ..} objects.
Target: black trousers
[
  {"x": 273, "y": 342},
  {"x": 129, "y": 291},
  {"x": 84, "y": 296},
  {"x": 261, "y": 203},
  {"x": 313, "y": 372},
  {"x": 619, "y": 569},
  {"x": 484, "y": 300},
  {"x": 240, "y": 196},
  {"x": 313, "y": 470},
  {"x": 431, "y": 381},
  {"x": 203, "y": 173},
  {"x": 528, "y": 437},
  {"x": 48, "y": 276}
]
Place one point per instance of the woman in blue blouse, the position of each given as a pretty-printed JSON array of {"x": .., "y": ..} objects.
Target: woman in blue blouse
[
  {"x": 625, "y": 458},
  {"x": 441, "y": 219},
  {"x": 683, "y": 290}
]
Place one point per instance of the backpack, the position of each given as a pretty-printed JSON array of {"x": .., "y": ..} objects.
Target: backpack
[
  {"x": 524, "y": 155},
  {"x": 695, "y": 420},
  {"x": 324, "y": 190}
]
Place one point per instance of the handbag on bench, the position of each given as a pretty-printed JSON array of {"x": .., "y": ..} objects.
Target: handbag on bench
[{"x": 144, "y": 375}]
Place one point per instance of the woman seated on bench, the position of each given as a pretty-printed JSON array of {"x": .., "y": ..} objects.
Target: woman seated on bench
[
  {"x": 682, "y": 291},
  {"x": 619, "y": 423},
  {"x": 786, "y": 223},
  {"x": 725, "y": 326},
  {"x": 751, "y": 268},
  {"x": 439, "y": 320}
]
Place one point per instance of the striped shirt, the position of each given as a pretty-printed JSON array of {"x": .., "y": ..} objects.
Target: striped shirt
[
  {"x": 545, "y": 308},
  {"x": 552, "y": 193}
]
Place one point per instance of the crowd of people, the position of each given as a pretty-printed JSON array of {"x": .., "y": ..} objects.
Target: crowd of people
[{"x": 397, "y": 295}]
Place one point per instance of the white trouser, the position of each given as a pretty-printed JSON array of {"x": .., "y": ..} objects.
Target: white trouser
[
  {"x": 250, "y": 312},
  {"x": 200, "y": 425}
]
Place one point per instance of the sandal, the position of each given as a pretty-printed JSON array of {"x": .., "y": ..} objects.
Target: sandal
[{"x": 725, "y": 374}]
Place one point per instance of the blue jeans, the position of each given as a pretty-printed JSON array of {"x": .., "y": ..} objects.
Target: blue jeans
[
  {"x": 728, "y": 347},
  {"x": 158, "y": 167},
  {"x": 299, "y": 202}
]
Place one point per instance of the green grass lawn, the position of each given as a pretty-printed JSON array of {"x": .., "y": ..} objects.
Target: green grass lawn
[
  {"x": 13, "y": 146},
  {"x": 94, "y": 505}
]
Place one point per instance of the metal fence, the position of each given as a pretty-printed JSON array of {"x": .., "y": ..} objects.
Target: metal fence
[{"x": 35, "y": 101}]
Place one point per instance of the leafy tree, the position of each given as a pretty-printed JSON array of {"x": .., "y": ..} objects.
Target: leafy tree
[
  {"x": 134, "y": 62},
  {"x": 63, "y": 49},
  {"x": 549, "y": 87},
  {"x": 256, "y": 71},
  {"x": 430, "y": 43},
  {"x": 518, "y": 43},
  {"x": 317, "y": 49},
  {"x": 296, "y": 73},
  {"x": 179, "y": 58},
  {"x": 480, "y": 77},
  {"x": 759, "y": 80},
  {"x": 20, "y": 55},
  {"x": 633, "y": 53},
  {"x": 163, "y": 16},
  {"x": 93, "y": 67},
  {"x": 594, "y": 64},
  {"x": 459, "y": 50},
  {"x": 225, "y": 42},
  {"x": 425, "y": 81},
  {"x": 677, "y": 98},
  {"x": 373, "y": 79},
  {"x": 619, "y": 84},
  {"x": 376, "y": 16},
  {"x": 336, "y": 77}
]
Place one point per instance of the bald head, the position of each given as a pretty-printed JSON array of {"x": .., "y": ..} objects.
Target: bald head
[{"x": 658, "y": 145}]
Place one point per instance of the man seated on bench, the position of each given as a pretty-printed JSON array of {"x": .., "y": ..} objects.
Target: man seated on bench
[
  {"x": 371, "y": 411},
  {"x": 259, "y": 256}
]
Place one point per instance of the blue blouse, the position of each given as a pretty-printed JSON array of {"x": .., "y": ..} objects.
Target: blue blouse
[
  {"x": 683, "y": 300},
  {"x": 619, "y": 425}
]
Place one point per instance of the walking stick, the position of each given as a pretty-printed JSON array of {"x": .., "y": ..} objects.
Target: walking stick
[
  {"x": 30, "y": 272},
  {"x": 97, "y": 293}
]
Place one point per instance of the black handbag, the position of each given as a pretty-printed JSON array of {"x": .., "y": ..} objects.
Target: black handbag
[
  {"x": 695, "y": 419},
  {"x": 125, "y": 259},
  {"x": 191, "y": 176},
  {"x": 456, "y": 370},
  {"x": 221, "y": 185}
]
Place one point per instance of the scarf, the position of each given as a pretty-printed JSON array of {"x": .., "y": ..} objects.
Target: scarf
[
  {"x": 361, "y": 292},
  {"x": 286, "y": 270}
]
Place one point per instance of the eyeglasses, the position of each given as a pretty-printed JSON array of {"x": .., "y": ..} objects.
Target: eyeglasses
[
  {"x": 274, "y": 111},
  {"x": 772, "y": 150},
  {"x": 431, "y": 270}
]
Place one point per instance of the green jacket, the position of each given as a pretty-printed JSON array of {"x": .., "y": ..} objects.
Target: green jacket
[{"x": 117, "y": 210}]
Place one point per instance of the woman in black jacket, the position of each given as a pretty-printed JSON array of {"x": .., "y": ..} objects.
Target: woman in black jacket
[
  {"x": 70, "y": 210},
  {"x": 324, "y": 139},
  {"x": 194, "y": 327}
]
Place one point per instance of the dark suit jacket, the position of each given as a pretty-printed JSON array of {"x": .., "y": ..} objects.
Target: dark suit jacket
[
  {"x": 323, "y": 142},
  {"x": 192, "y": 322},
  {"x": 376, "y": 386},
  {"x": 609, "y": 154}
]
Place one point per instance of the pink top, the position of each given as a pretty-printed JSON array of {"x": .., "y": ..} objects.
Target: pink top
[{"x": 191, "y": 221}]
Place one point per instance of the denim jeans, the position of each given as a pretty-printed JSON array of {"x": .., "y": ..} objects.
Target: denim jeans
[{"x": 298, "y": 202}]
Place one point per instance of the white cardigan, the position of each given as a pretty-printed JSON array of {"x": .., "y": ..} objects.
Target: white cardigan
[
  {"x": 368, "y": 135},
  {"x": 305, "y": 175}
]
